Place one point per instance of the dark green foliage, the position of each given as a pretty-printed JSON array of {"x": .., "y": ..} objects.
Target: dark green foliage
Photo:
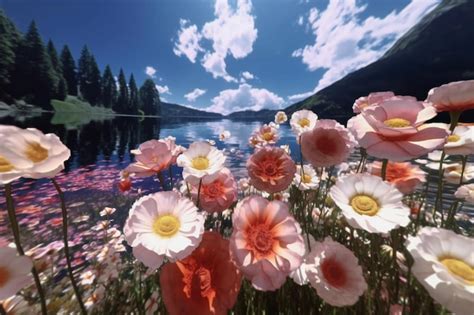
[
  {"x": 9, "y": 38},
  {"x": 69, "y": 70},
  {"x": 109, "y": 89},
  {"x": 122, "y": 100},
  {"x": 89, "y": 77},
  {"x": 134, "y": 100},
  {"x": 61, "y": 91},
  {"x": 150, "y": 98},
  {"x": 34, "y": 76},
  {"x": 60, "y": 84}
]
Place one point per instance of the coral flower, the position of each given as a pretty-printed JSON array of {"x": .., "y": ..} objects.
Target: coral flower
[
  {"x": 271, "y": 169},
  {"x": 453, "y": 97},
  {"x": 328, "y": 143},
  {"x": 334, "y": 271},
  {"x": 266, "y": 243},
  {"x": 280, "y": 117},
  {"x": 265, "y": 135},
  {"x": 217, "y": 193},
  {"x": 404, "y": 175},
  {"x": 372, "y": 99},
  {"x": 152, "y": 157},
  {"x": 163, "y": 224},
  {"x": 444, "y": 265},
  {"x": 461, "y": 141},
  {"x": 369, "y": 203},
  {"x": 302, "y": 120},
  {"x": 199, "y": 160},
  {"x": 206, "y": 282},
  {"x": 395, "y": 129},
  {"x": 14, "y": 272}
]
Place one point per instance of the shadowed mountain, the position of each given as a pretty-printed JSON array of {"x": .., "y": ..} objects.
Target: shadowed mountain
[
  {"x": 263, "y": 114},
  {"x": 437, "y": 50},
  {"x": 175, "y": 110}
]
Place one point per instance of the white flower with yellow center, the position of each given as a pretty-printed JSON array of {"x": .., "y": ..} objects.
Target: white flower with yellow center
[
  {"x": 303, "y": 120},
  {"x": 199, "y": 160},
  {"x": 453, "y": 172},
  {"x": 12, "y": 165},
  {"x": 224, "y": 135},
  {"x": 369, "y": 203},
  {"x": 46, "y": 154},
  {"x": 280, "y": 117},
  {"x": 444, "y": 265},
  {"x": 163, "y": 225},
  {"x": 14, "y": 272},
  {"x": 306, "y": 179},
  {"x": 461, "y": 141}
]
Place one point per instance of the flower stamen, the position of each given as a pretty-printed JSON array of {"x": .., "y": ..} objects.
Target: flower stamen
[
  {"x": 5, "y": 165},
  {"x": 397, "y": 123},
  {"x": 200, "y": 163},
  {"x": 35, "y": 152},
  {"x": 365, "y": 205},
  {"x": 166, "y": 225},
  {"x": 459, "y": 268}
]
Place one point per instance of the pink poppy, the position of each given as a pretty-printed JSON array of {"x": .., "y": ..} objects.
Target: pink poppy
[
  {"x": 328, "y": 143},
  {"x": 152, "y": 157},
  {"x": 266, "y": 243},
  {"x": 217, "y": 193},
  {"x": 404, "y": 175},
  {"x": 395, "y": 129},
  {"x": 271, "y": 169},
  {"x": 453, "y": 97},
  {"x": 371, "y": 99}
]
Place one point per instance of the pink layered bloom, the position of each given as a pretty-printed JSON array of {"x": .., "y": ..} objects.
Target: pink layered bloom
[
  {"x": 152, "y": 157},
  {"x": 395, "y": 129},
  {"x": 453, "y": 97},
  {"x": 404, "y": 175},
  {"x": 372, "y": 99},
  {"x": 266, "y": 134},
  {"x": 266, "y": 243},
  {"x": 217, "y": 193},
  {"x": 271, "y": 169},
  {"x": 327, "y": 144}
]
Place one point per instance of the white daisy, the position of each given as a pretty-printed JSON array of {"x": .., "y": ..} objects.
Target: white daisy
[
  {"x": 280, "y": 117},
  {"x": 163, "y": 224},
  {"x": 12, "y": 164},
  {"x": 306, "y": 179},
  {"x": 444, "y": 265},
  {"x": 452, "y": 173},
  {"x": 199, "y": 160},
  {"x": 303, "y": 120},
  {"x": 14, "y": 272},
  {"x": 369, "y": 203},
  {"x": 461, "y": 141}
]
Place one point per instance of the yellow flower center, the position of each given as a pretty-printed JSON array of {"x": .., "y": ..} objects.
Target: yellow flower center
[
  {"x": 35, "y": 152},
  {"x": 267, "y": 136},
  {"x": 5, "y": 165},
  {"x": 453, "y": 138},
  {"x": 304, "y": 122},
  {"x": 306, "y": 178},
  {"x": 459, "y": 268},
  {"x": 166, "y": 225},
  {"x": 200, "y": 163},
  {"x": 396, "y": 123},
  {"x": 4, "y": 276},
  {"x": 365, "y": 205}
]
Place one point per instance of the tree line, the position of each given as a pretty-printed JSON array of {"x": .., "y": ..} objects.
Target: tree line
[{"x": 36, "y": 73}]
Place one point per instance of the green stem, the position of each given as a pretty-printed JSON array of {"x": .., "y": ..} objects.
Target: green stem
[
  {"x": 454, "y": 120},
  {"x": 170, "y": 172},
  {"x": 162, "y": 181},
  {"x": 2, "y": 310},
  {"x": 199, "y": 193},
  {"x": 19, "y": 248},
  {"x": 439, "y": 193},
  {"x": 384, "y": 168},
  {"x": 464, "y": 162},
  {"x": 66, "y": 247}
]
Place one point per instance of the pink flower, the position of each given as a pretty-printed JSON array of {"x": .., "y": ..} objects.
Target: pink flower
[
  {"x": 395, "y": 129},
  {"x": 217, "y": 192},
  {"x": 175, "y": 149},
  {"x": 373, "y": 98},
  {"x": 266, "y": 134},
  {"x": 453, "y": 97},
  {"x": 266, "y": 243},
  {"x": 271, "y": 169},
  {"x": 152, "y": 157},
  {"x": 405, "y": 176},
  {"x": 328, "y": 143}
]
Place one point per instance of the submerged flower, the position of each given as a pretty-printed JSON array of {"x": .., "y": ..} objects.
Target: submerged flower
[
  {"x": 334, "y": 271},
  {"x": 303, "y": 120},
  {"x": 453, "y": 97},
  {"x": 444, "y": 265},
  {"x": 306, "y": 178},
  {"x": 461, "y": 141},
  {"x": 465, "y": 192},
  {"x": 206, "y": 282},
  {"x": 271, "y": 169},
  {"x": 404, "y": 175},
  {"x": 152, "y": 157},
  {"x": 14, "y": 272},
  {"x": 199, "y": 160},
  {"x": 372, "y": 99},
  {"x": 328, "y": 143},
  {"x": 163, "y": 224},
  {"x": 266, "y": 242},
  {"x": 369, "y": 203},
  {"x": 217, "y": 193},
  {"x": 395, "y": 129},
  {"x": 280, "y": 117}
]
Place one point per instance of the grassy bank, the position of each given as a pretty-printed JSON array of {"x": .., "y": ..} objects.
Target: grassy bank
[{"x": 74, "y": 105}]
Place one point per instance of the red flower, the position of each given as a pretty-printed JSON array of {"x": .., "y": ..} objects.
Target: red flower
[{"x": 125, "y": 184}]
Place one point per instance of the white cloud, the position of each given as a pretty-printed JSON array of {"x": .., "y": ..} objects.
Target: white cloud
[
  {"x": 194, "y": 94},
  {"x": 344, "y": 42},
  {"x": 245, "y": 97},
  {"x": 300, "y": 20},
  {"x": 150, "y": 71},
  {"x": 247, "y": 75},
  {"x": 163, "y": 89},
  {"x": 231, "y": 33}
]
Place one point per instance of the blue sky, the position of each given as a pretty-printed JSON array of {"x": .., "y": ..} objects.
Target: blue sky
[{"x": 226, "y": 55}]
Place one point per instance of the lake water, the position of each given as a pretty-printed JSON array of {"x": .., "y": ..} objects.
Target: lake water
[{"x": 101, "y": 149}]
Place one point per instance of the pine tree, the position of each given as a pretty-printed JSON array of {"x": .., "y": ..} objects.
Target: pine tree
[
  {"x": 9, "y": 39},
  {"x": 89, "y": 77},
  {"x": 109, "y": 88},
  {"x": 83, "y": 72},
  {"x": 150, "y": 98},
  {"x": 134, "y": 101},
  {"x": 60, "y": 83},
  {"x": 34, "y": 78},
  {"x": 95, "y": 83},
  {"x": 122, "y": 100},
  {"x": 69, "y": 70}
]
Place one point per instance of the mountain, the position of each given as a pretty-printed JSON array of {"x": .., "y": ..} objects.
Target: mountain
[
  {"x": 264, "y": 114},
  {"x": 437, "y": 50},
  {"x": 175, "y": 110}
]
